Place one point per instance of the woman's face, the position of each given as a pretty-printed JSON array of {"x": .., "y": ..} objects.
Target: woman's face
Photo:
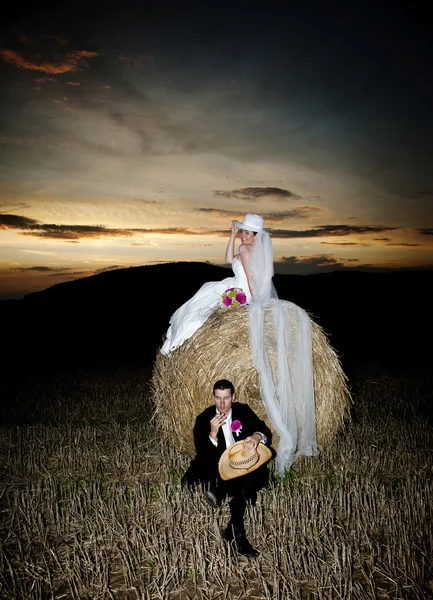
[{"x": 247, "y": 237}]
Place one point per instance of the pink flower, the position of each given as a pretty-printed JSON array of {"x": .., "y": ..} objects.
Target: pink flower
[
  {"x": 233, "y": 297},
  {"x": 236, "y": 426}
]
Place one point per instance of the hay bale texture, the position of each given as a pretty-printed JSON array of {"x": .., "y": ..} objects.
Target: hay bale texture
[{"x": 220, "y": 349}]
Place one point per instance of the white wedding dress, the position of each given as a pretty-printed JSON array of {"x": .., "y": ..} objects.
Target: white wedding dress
[
  {"x": 281, "y": 349},
  {"x": 191, "y": 315}
]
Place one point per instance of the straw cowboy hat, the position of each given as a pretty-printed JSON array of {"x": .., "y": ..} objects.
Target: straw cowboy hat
[
  {"x": 251, "y": 222},
  {"x": 235, "y": 461}
]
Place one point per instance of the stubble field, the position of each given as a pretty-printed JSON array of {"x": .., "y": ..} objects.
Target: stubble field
[{"x": 91, "y": 506}]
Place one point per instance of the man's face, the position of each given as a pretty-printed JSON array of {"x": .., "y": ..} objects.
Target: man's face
[{"x": 224, "y": 400}]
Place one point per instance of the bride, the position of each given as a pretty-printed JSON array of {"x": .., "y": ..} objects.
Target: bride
[
  {"x": 280, "y": 338},
  {"x": 191, "y": 315}
]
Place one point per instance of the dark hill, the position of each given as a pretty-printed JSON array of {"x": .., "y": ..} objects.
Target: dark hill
[{"x": 121, "y": 315}]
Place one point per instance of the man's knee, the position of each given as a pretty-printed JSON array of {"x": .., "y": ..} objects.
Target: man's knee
[{"x": 194, "y": 477}]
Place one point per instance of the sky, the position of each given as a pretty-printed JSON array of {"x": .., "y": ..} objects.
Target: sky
[{"x": 132, "y": 133}]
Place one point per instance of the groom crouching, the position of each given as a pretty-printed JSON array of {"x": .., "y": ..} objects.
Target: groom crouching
[{"x": 233, "y": 447}]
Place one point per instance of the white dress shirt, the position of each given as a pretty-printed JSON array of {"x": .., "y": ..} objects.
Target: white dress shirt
[{"x": 228, "y": 434}]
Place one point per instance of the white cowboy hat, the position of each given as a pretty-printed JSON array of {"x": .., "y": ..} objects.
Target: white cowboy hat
[
  {"x": 251, "y": 222},
  {"x": 235, "y": 461}
]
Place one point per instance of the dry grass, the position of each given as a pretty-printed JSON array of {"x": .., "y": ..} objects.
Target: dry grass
[
  {"x": 220, "y": 349},
  {"x": 91, "y": 505}
]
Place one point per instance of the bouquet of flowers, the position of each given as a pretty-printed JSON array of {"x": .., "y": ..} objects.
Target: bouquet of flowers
[{"x": 233, "y": 297}]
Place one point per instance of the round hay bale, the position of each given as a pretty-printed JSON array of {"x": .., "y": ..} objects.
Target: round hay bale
[{"x": 220, "y": 349}]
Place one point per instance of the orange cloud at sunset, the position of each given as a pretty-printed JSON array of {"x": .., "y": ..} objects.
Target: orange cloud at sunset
[
  {"x": 73, "y": 60},
  {"x": 32, "y": 227}
]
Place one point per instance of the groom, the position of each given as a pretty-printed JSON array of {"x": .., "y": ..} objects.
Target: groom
[{"x": 215, "y": 430}]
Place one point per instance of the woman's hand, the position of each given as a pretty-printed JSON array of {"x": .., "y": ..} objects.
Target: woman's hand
[{"x": 235, "y": 229}]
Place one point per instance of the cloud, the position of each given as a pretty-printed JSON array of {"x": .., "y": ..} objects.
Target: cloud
[
  {"x": 149, "y": 201},
  {"x": 329, "y": 231},
  {"x": 35, "y": 228},
  {"x": 253, "y": 193},
  {"x": 422, "y": 231},
  {"x": 137, "y": 60},
  {"x": 274, "y": 217},
  {"x": 112, "y": 268},
  {"x": 23, "y": 38},
  {"x": 317, "y": 261},
  {"x": 16, "y": 222},
  {"x": 305, "y": 265},
  {"x": 41, "y": 269},
  {"x": 343, "y": 244},
  {"x": 14, "y": 205},
  {"x": 73, "y": 60},
  {"x": 402, "y": 244},
  {"x": 58, "y": 39},
  {"x": 422, "y": 194},
  {"x": 69, "y": 274},
  {"x": 42, "y": 252}
]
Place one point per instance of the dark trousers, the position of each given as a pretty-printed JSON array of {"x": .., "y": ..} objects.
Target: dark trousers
[{"x": 240, "y": 489}]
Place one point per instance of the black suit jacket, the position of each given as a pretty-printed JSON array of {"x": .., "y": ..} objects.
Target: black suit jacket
[{"x": 204, "y": 467}]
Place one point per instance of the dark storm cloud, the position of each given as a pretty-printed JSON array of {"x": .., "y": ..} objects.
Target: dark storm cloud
[{"x": 254, "y": 193}]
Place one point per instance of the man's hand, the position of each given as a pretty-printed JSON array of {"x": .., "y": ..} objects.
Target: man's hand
[
  {"x": 218, "y": 420},
  {"x": 252, "y": 441}
]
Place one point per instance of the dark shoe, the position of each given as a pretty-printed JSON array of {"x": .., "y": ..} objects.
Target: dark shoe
[
  {"x": 212, "y": 498},
  {"x": 238, "y": 535}
]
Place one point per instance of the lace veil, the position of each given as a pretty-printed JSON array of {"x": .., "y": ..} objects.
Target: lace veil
[{"x": 281, "y": 347}]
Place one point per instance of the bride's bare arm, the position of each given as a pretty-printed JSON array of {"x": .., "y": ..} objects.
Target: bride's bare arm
[
  {"x": 230, "y": 252},
  {"x": 245, "y": 256}
]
